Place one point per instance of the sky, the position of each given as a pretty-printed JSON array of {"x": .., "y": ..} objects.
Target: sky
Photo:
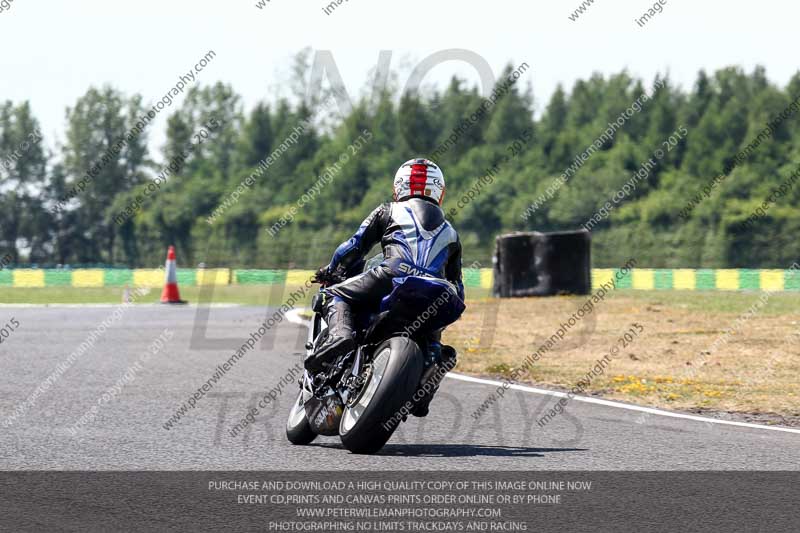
[{"x": 53, "y": 51}]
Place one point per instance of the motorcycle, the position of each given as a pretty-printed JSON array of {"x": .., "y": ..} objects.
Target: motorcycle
[{"x": 398, "y": 362}]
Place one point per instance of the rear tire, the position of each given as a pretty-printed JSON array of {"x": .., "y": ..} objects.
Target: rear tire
[
  {"x": 397, "y": 368},
  {"x": 298, "y": 430}
]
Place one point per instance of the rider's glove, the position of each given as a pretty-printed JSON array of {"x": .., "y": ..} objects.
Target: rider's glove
[{"x": 322, "y": 275}]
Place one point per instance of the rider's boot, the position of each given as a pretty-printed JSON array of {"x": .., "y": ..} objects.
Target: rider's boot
[
  {"x": 448, "y": 362},
  {"x": 339, "y": 341}
]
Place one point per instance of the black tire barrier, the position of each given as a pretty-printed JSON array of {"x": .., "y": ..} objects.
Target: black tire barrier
[{"x": 542, "y": 264}]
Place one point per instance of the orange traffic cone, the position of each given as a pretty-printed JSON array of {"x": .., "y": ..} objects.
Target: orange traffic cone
[{"x": 170, "y": 293}]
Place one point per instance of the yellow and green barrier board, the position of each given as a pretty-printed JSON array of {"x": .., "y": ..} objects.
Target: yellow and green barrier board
[
  {"x": 689, "y": 279},
  {"x": 640, "y": 278}
]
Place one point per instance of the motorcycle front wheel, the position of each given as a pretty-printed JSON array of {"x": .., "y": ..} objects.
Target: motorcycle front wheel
[
  {"x": 298, "y": 430},
  {"x": 372, "y": 415}
]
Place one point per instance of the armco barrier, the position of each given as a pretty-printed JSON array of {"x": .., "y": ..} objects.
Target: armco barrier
[{"x": 640, "y": 278}]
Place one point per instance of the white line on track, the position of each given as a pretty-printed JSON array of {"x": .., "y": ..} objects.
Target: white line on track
[
  {"x": 294, "y": 317},
  {"x": 619, "y": 405}
]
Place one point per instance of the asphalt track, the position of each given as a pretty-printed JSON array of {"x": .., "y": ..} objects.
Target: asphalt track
[{"x": 128, "y": 432}]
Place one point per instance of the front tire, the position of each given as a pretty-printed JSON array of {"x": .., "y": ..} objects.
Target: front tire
[
  {"x": 298, "y": 430},
  {"x": 369, "y": 420}
]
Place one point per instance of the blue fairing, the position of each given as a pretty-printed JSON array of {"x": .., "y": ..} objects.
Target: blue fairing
[{"x": 420, "y": 294}]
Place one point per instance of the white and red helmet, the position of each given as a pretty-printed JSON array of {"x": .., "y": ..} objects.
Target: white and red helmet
[{"x": 419, "y": 177}]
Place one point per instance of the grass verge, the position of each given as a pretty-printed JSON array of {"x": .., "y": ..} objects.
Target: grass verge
[{"x": 697, "y": 352}]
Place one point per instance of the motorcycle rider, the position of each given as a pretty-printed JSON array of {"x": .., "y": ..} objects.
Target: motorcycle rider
[{"x": 416, "y": 240}]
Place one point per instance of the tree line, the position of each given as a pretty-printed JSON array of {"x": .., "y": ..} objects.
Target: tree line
[{"x": 226, "y": 177}]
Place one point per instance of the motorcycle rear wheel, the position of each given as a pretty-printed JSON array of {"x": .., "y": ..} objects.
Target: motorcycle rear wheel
[{"x": 370, "y": 419}]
